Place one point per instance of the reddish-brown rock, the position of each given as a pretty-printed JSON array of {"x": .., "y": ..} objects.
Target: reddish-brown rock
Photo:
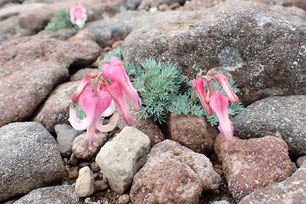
[
  {"x": 254, "y": 163},
  {"x": 56, "y": 108},
  {"x": 173, "y": 174},
  {"x": 193, "y": 132}
]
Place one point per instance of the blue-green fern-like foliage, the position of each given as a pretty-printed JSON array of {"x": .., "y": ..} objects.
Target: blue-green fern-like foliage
[{"x": 61, "y": 20}]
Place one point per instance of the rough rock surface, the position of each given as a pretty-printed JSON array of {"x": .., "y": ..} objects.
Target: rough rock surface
[
  {"x": 80, "y": 74},
  {"x": 56, "y": 108},
  {"x": 109, "y": 30},
  {"x": 147, "y": 126},
  {"x": 173, "y": 174},
  {"x": 252, "y": 164},
  {"x": 283, "y": 117},
  {"x": 145, "y": 4},
  {"x": 260, "y": 48},
  {"x": 85, "y": 183},
  {"x": 300, "y": 161},
  {"x": 81, "y": 152},
  {"x": 193, "y": 132},
  {"x": 292, "y": 190},
  {"x": 64, "y": 194},
  {"x": 65, "y": 136},
  {"x": 29, "y": 159},
  {"x": 121, "y": 158},
  {"x": 31, "y": 67}
]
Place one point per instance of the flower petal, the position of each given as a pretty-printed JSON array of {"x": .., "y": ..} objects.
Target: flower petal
[
  {"x": 110, "y": 110},
  {"x": 227, "y": 88},
  {"x": 110, "y": 126},
  {"x": 85, "y": 82},
  {"x": 198, "y": 86},
  {"x": 91, "y": 130},
  {"x": 218, "y": 103},
  {"x": 116, "y": 93},
  {"x": 115, "y": 71},
  {"x": 75, "y": 122}
]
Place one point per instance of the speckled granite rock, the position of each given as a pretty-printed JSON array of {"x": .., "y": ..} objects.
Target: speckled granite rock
[
  {"x": 173, "y": 174},
  {"x": 300, "y": 161},
  {"x": 145, "y": 4},
  {"x": 260, "y": 48},
  {"x": 147, "y": 126},
  {"x": 31, "y": 67},
  {"x": 283, "y": 117},
  {"x": 292, "y": 190},
  {"x": 80, "y": 74},
  {"x": 29, "y": 159},
  {"x": 252, "y": 164},
  {"x": 193, "y": 132},
  {"x": 120, "y": 158},
  {"x": 84, "y": 185},
  {"x": 64, "y": 194},
  {"x": 56, "y": 108}
]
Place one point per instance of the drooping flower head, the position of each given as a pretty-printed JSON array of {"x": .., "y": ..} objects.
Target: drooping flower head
[
  {"x": 78, "y": 15},
  {"x": 97, "y": 99},
  {"x": 215, "y": 101}
]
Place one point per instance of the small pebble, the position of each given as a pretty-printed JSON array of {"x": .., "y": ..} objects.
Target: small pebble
[
  {"x": 94, "y": 166},
  {"x": 163, "y": 7},
  {"x": 300, "y": 161},
  {"x": 174, "y": 6},
  {"x": 100, "y": 185},
  {"x": 124, "y": 199},
  {"x": 74, "y": 173}
]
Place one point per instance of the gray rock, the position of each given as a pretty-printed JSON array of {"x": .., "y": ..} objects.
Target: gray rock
[
  {"x": 221, "y": 202},
  {"x": 262, "y": 49},
  {"x": 173, "y": 174},
  {"x": 65, "y": 135},
  {"x": 121, "y": 158},
  {"x": 81, "y": 152},
  {"x": 29, "y": 159},
  {"x": 16, "y": 9},
  {"x": 3, "y": 2},
  {"x": 292, "y": 190},
  {"x": 252, "y": 164},
  {"x": 300, "y": 161},
  {"x": 31, "y": 67},
  {"x": 85, "y": 183},
  {"x": 283, "y": 117},
  {"x": 64, "y": 194},
  {"x": 55, "y": 109},
  {"x": 145, "y": 4},
  {"x": 107, "y": 31}
]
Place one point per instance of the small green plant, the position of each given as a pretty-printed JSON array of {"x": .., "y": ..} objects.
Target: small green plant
[
  {"x": 61, "y": 20},
  {"x": 184, "y": 104}
]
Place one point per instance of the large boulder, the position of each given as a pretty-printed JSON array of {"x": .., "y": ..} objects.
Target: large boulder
[
  {"x": 173, "y": 174},
  {"x": 31, "y": 67},
  {"x": 252, "y": 164},
  {"x": 282, "y": 117},
  {"x": 29, "y": 159},
  {"x": 261, "y": 48}
]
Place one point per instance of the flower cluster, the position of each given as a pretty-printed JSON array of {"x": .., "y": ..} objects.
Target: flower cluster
[
  {"x": 98, "y": 94},
  {"x": 78, "y": 15},
  {"x": 215, "y": 101}
]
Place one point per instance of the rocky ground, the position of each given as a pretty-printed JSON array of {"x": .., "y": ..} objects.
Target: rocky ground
[{"x": 259, "y": 43}]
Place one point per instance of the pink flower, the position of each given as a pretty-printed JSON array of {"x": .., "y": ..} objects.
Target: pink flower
[
  {"x": 115, "y": 91},
  {"x": 227, "y": 88},
  {"x": 93, "y": 103},
  {"x": 78, "y": 15},
  {"x": 115, "y": 71},
  {"x": 198, "y": 86},
  {"x": 218, "y": 103}
]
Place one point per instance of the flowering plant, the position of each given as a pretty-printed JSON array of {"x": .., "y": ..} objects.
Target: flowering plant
[
  {"x": 98, "y": 94},
  {"x": 214, "y": 101},
  {"x": 78, "y": 15}
]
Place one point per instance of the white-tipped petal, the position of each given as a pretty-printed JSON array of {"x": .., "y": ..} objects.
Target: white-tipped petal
[
  {"x": 75, "y": 122},
  {"x": 110, "y": 126},
  {"x": 110, "y": 110}
]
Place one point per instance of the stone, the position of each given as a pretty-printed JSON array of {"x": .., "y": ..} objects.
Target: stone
[
  {"x": 83, "y": 34},
  {"x": 292, "y": 190},
  {"x": 173, "y": 174},
  {"x": 193, "y": 132},
  {"x": 200, "y": 4},
  {"x": 64, "y": 194},
  {"x": 120, "y": 158},
  {"x": 29, "y": 159},
  {"x": 109, "y": 30},
  {"x": 74, "y": 173},
  {"x": 80, "y": 74},
  {"x": 16, "y": 9},
  {"x": 252, "y": 164},
  {"x": 31, "y": 67},
  {"x": 65, "y": 135},
  {"x": 61, "y": 34},
  {"x": 282, "y": 117},
  {"x": 94, "y": 166},
  {"x": 221, "y": 202},
  {"x": 124, "y": 199},
  {"x": 145, "y": 4},
  {"x": 100, "y": 185},
  {"x": 81, "y": 152},
  {"x": 300, "y": 161},
  {"x": 85, "y": 183},
  {"x": 55, "y": 109},
  {"x": 147, "y": 126},
  {"x": 261, "y": 49}
]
